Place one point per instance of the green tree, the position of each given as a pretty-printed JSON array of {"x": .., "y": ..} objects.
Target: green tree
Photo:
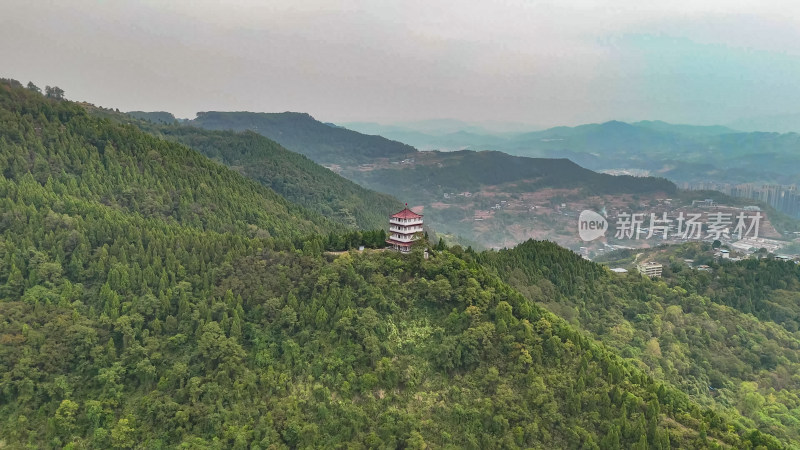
[
  {"x": 65, "y": 418},
  {"x": 122, "y": 435},
  {"x": 54, "y": 92},
  {"x": 15, "y": 284}
]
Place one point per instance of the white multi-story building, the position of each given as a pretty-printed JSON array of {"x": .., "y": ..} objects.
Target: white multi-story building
[
  {"x": 404, "y": 228},
  {"x": 652, "y": 269}
]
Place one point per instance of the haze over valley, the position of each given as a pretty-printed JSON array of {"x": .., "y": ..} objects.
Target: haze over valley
[{"x": 241, "y": 225}]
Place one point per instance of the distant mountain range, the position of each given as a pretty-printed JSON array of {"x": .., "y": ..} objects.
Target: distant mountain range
[
  {"x": 425, "y": 178},
  {"x": 429, "y": 136},
  {"x": 781, "y": 123},
  {"x": 343, "y": 147},
  {"x": 302, "y": 133},
  {"x": 374, "y": 160},
  {"x": 448, "y": 135},
  {"x": 558, "y": 162},
  {"x": 678, "y": 152},
  {"x": 681, "y": 153}
]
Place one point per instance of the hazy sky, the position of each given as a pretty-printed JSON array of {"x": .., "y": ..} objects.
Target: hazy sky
[{"x": 539, "y": 62}]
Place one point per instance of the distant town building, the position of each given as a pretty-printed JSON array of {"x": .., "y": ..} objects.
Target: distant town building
[
  {"x": 707, "y": 203},
  {"x": 619, "y": 270},
  {"x": 753, "y": 244},
  {"x": 652, "y": 269},
  {"x": 785, "y": 199},
  {"x": 404, "y": 227}
]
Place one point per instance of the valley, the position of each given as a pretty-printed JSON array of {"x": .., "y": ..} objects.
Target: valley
[
  {"x": 463, "y": 231},
  {"x": 228, "y": 294},
  {"x": 490, "y": 199},
  {"x": 694, "y": 157},
  {"x": 151, "y": 297},
  {"x": 503, "y": 215}
]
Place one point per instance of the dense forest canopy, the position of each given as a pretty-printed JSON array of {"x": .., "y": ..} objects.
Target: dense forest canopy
[
  {"x": 728, "y": 338},
  {"x": 59, "y": 145},
  {"x": 295, "y": 177},
  {"x": 152, "y": 298}
]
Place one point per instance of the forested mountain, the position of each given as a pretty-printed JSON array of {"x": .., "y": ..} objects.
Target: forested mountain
[
  {"x": 301, "y": 133},
  {"x": 460, "y": 187},
  {"x": 61, "y": 146},
  {"x": 151, "y": 298},
  {"x": 435, "y": 173},
  {"x": 292, "y": 175},
  {"x": 440, "y": 171},
  {"x": 698, "y": 330},
  {"x": 678, "y": 152},
  {"x": 154, "y": 116}
]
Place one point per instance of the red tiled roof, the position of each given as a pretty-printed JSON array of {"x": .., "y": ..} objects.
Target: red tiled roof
[{"x": 407, "y": 214}]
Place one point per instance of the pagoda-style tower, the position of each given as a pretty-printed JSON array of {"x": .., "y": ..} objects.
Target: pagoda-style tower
[{"x": 403, "y": 229}]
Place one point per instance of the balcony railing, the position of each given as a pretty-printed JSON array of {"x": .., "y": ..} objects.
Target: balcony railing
[
  {"x": 405, "y": 229},
  {"x": 405, "y": 222},
  {"x": 400, "y": 238}
]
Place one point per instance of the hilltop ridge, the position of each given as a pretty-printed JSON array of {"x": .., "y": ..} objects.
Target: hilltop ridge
[
  {"x": 303, "y": 134},
  {"x": 154, "y": 298}
]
